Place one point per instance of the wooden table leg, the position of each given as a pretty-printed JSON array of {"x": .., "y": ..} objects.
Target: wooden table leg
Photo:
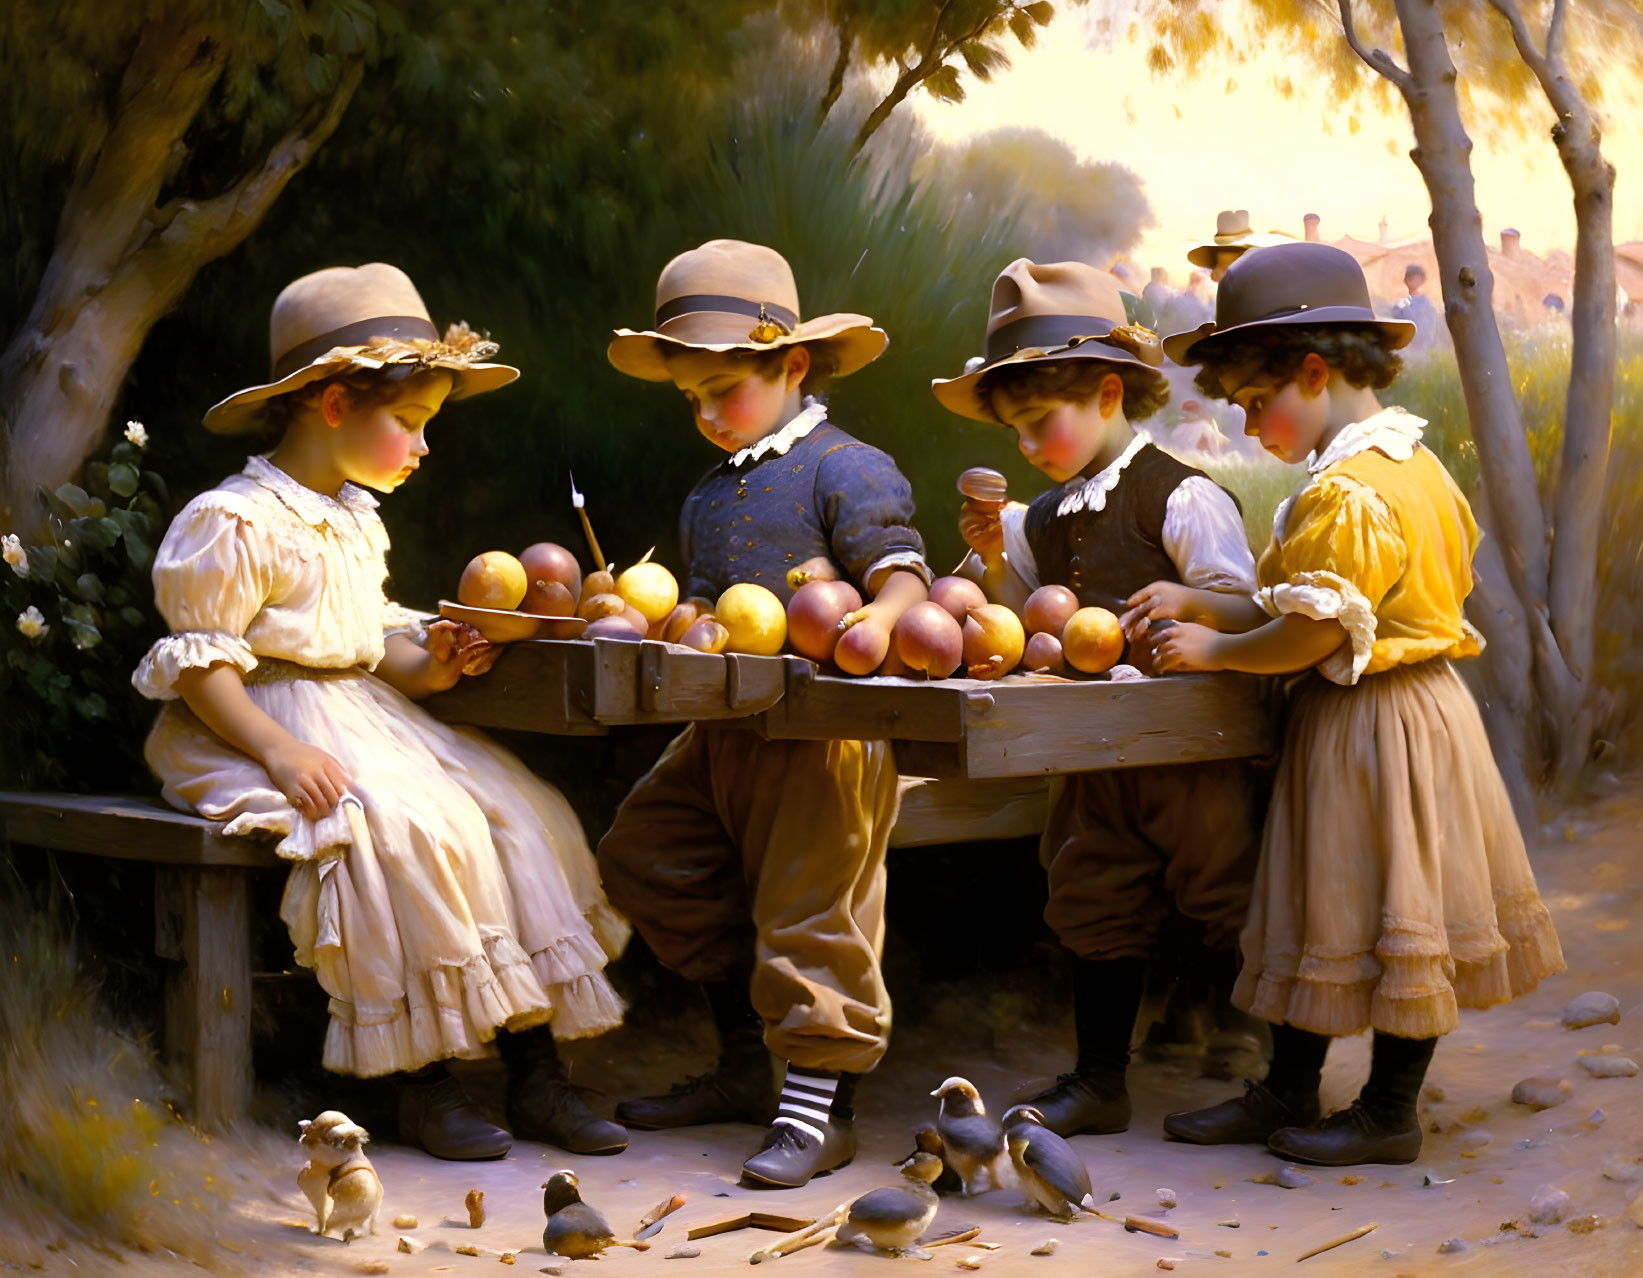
[{"x": 201, "y": 919}]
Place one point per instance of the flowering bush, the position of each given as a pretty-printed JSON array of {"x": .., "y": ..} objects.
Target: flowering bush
[{"x": 76, "y": 615}]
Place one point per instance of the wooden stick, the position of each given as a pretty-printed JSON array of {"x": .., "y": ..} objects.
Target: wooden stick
[
  {"x": 963, "y": 1237},
  {"x": 1145, "y": 1225},
  {"x": 782, "y": 1246},
  {"x": 1359, "y": 1232},
  {"x": 578, "y": 501}
]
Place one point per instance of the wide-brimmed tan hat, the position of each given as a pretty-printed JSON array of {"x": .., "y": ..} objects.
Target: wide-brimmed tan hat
[
  {"x": 1232, "y": 233},
  {"x": 356, "y": 317},
  {"x": 730, "y": 295},
  {"x": 1051, "y": 311},
  {"x": 1296, "y": 283}
]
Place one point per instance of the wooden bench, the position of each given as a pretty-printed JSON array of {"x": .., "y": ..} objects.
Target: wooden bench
[
  {"x": 200, "y": 922},
  {"x": 202, "y": 925}
]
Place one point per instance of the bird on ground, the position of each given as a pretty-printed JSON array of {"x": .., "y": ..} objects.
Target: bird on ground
[
  {"x": 895, "y": 1217},
  {"x": 575, "y": 1229},
  {"x": 338, "y": 1178},
  {"x": 973, "y": 1143},
  {"x": 1047, "y": 1167},
  {"x": 926, "y": 1140}
]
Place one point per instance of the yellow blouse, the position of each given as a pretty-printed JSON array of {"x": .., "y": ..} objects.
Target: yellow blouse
[{"x": 1382, "y": 541}]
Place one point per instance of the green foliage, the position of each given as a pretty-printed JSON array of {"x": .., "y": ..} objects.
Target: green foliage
[{"x": 78, "y": 615}]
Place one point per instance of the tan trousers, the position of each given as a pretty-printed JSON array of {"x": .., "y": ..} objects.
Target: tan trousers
[
  {"x": 1122, "y": 846},
  {"x": 733, "y": 843}
]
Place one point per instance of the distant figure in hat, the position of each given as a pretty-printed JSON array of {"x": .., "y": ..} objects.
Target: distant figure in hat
[
  {"x": 1124, "y": 849},
  {"x": 444, "y": 896},
  {"x": 1233, "y": 238},
  {"x": 757, "y": 867},
  {"x": 1416, "y": 308},
  {"x": 1393, "y": 887}
]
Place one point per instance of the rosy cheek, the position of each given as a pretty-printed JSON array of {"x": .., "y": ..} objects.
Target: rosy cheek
[
  {"x": 1061, "y": 444},
  {"x": 1277, "y": 429},
  {"x": 739, "y": 411},
  {"x": 391, "y": 452}
]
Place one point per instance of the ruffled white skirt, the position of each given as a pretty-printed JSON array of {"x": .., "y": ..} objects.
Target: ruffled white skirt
[{"x": 451, "y": 895}]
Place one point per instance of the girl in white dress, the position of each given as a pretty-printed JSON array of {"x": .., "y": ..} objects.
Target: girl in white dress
[{"x": 441, "y": 892}]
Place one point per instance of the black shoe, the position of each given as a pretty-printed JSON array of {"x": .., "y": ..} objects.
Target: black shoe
[
  {"x": 790, "y": 1156},
  {"x": 1348, "y": 1137},
  {"x": 1080, "y": 1104},
  {"x": 551, "y": 1110},
  {"x": 436, "y": 1115},
  {"x": 1248, "y": 1120},
  {"x": 742, "y": 1094}
]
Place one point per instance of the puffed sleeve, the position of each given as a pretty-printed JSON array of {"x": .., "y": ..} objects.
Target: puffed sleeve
[
  {"x": 1204, "y": 537},
  {"x": 1341, "y": 550},
  {"x": 212, "y": 574},
  {"x": 696, "y": 586},
  {"x": 867, "y": 507}
]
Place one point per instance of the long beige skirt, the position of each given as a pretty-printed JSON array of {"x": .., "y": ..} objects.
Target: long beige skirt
[{"x": 1393, "y": 886}]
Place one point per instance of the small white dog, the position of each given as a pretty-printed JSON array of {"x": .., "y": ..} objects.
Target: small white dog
[{"x": 338, "y": 1178}]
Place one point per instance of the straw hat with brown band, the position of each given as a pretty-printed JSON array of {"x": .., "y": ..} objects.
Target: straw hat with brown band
[
  {"x": 1051, "y": 311},
  {"x": 1295, "y": 283},
  {"x": 1232, "y": 234},
  {"x": 731, "y": 295},
  {"x": 347, "y": 318}
]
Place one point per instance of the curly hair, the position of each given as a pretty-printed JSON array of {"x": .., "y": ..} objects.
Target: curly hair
[
  {"x": 366, "y": 387},
  {"x": 1361, "y": 353},
  {"x": 824, "y": 363},
  {"x": 1078, "y": 381}
]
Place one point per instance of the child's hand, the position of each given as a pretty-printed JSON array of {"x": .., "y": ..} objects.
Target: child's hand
[
  {"x": 1161, "y": 601},
  {"x": 981, "y": 524},
  {"x": 455, "y": 649},
  {"x": 311, "y": 780},
  {"x": 1186, "y": 646}
]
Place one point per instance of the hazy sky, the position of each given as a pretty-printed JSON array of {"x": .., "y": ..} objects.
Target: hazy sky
[{"x": 1199, "y": 149}]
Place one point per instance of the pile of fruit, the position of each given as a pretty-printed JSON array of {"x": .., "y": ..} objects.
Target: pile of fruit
[{"x": 952, "y": 630}]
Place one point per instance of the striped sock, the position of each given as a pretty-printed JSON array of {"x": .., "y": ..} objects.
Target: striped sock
[{"x": 807, "y": 1099}]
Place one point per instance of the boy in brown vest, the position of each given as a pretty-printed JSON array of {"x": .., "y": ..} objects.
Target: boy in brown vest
[{"x": 1067, "y": 374}]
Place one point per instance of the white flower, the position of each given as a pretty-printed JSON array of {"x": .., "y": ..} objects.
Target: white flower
[
  {"x": 137, "y": 433},
  {"x": 14, "y": 554},
  {"x": 31, "y": 624}
]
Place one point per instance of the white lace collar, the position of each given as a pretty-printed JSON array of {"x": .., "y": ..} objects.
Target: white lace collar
[
  {"x": 812, "y": 415},
  {"x": 1091, "y": 494},
  {"x": 311, "y": 507},
  {"x": 1394, "y": 431}
]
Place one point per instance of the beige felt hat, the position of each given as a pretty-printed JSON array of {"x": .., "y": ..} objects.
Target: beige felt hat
[
  {"x": 1232, "y": 233},
  {"x": 731, "y": 295},
  {"x": 1051, "y": 311},
  {"x": 346, "y": 318}
]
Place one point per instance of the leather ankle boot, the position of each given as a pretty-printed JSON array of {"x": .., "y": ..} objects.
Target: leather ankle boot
[
  {"x": 436, "y": 1115},
  {"x": 544, "y": 1106}
]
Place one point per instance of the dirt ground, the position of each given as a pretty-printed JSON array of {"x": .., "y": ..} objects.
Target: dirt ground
[{"x": 1485, "y": 1156}]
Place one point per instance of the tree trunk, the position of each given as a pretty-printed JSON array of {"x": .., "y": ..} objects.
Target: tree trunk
[
  {"x": 120, "y": 262},
  {"x": 1518, "y": 608},
  {"x": 841, "y": 64},
  {"x": 1579, "y": 509},
  {"x": 905, "y": 83}
]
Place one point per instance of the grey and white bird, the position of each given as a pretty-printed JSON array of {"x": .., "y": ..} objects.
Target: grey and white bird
[
  {"x": 927, "y": 1140},
  {"x": 575, "y": 1229},
  {"x": 1049, "y": 1170},
  {"x": 893, "y": 1218},
  {"x": 973, "y": 1143}
]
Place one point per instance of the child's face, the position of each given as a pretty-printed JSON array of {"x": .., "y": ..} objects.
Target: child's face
[
  {"x": 378, "y": 445},
  {"x": 734, "y": 405},
  {"x": 1288, "y": 417},
  {"x": 1059, "y": 436}
]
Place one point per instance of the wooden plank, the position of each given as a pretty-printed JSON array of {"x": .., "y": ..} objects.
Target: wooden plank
[
  {"x": 535, "y": 686},
  {"x": 820, "y": 707},
  {"x": 651, "y": 682},
  {"x": 128, "y": 828},
  {"x": 965, "y": 811},
  {"x": 1028, "y": 729}
]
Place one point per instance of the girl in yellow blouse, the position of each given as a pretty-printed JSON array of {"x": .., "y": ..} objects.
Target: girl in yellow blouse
[{"x": 1393, "y": 886}]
